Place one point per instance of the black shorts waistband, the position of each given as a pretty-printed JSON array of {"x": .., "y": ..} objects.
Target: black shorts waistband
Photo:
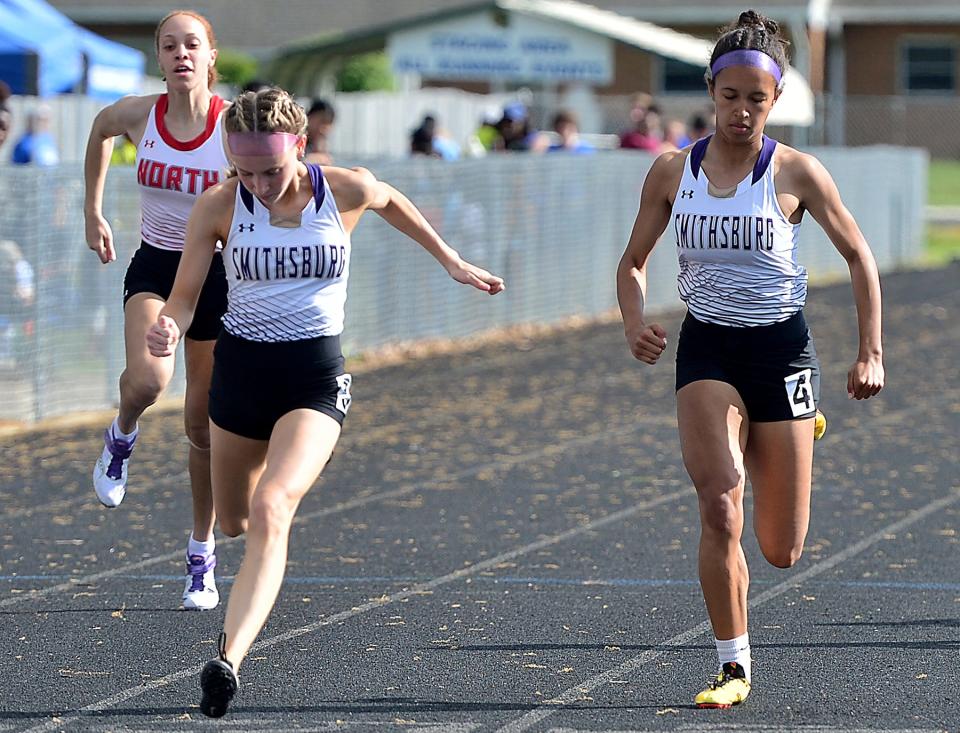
[
  {"x": 794, "y": 327},
  {"x": 321, "y": 348}
]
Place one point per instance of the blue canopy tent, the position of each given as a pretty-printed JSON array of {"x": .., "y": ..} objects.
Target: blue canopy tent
[
  {"x": 113, "y": 69},
  {"x": 43, "y": 52},
  {"x": 36, "y": 56}
]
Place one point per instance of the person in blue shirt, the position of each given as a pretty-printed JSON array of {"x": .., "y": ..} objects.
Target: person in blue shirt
[
  {"x": 565, "y": 125},
  {"x": 37, "y": 145}
]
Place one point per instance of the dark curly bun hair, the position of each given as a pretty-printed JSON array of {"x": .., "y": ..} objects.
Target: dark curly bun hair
[{"x": 752, "y": 31}]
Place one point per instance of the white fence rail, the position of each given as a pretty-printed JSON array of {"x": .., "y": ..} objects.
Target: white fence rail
[{"x": 368, "y": 123}]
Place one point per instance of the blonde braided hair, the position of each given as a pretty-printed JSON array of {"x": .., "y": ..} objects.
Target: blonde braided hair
[{"x": 269, "y": 110}]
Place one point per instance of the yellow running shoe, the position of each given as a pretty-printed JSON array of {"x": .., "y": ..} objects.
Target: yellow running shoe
[
  {"x": 819, "y": 425},
  {"x": 728, "y": 689}
]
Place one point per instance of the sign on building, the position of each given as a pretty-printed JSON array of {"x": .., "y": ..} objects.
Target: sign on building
[{"x": 522, "y": 49}]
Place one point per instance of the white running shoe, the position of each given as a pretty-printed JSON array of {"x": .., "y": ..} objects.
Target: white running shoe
[
  {"x": 110, "y": 473},
  {"x": 200, "y": 591}
]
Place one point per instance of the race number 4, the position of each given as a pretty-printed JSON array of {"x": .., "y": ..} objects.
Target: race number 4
[{"x": 800, "y": 393}]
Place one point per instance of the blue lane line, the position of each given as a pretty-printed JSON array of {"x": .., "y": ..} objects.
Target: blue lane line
[{"x": 577, "y": 582}]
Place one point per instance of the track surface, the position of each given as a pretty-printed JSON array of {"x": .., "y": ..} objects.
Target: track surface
[{"x": 506, "y": 540}]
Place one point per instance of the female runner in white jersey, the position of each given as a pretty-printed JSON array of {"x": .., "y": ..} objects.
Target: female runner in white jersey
[
  {"x": 180, "y": 153},
  {"x": 279, "y": 391},
  {"x": 747, "y": 372}
]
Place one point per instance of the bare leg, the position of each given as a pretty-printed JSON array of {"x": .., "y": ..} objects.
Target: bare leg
[
  {"x": 145, "y": 376},
  {"x": 141, "y": 384},
  {"x": 299, "y": 448},
  {"x": 713, "y": 430},
  {"x": 779, "y": 459},
  {"x": 198, "y": 359}
]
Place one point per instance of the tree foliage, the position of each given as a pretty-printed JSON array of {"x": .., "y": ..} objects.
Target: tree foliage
[
  {"x": 235, "y": 67},
  {"x": 369, "y": 72}
]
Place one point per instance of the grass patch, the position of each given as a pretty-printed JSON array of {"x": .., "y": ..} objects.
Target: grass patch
[
  {"x": 943, "y": 244},
  {"x": 943, "y": 187}
]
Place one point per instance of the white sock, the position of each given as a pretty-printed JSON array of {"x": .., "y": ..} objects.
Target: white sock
[
  {"x": 118, "y": 433},
  {"x": 201, "y": 548},
  {"x": 735, "y": 650}
]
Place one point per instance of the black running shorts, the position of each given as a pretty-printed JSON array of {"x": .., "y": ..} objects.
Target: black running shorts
[
  {"x": 153, "y": 270},
  {"x": 774, "y": 368},
  {"x": 255, "y": 383}
]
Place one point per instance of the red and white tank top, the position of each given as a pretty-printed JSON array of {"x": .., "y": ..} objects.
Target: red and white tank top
[{"x": 172, "y": 173}]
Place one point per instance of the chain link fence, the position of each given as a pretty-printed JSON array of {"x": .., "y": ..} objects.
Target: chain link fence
[
  {"x": 554, "y": 226},
  {"x": 932, "y": 122}
]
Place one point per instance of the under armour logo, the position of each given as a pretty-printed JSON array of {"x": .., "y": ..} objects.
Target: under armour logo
[
  {"x": 245, "y": 228},
  {"x": 686, "y": 193},
  {"x": 149, "y": 143}
]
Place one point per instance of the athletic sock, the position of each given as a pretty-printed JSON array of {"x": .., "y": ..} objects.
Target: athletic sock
[
  {"x": 735, "y": 650},
  {"x": 201, "y": 548},
  {"x": 118, "y": 433}
]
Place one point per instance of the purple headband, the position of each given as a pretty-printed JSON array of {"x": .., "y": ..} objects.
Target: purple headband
[
  {"x": 260, "y": 143},
  {"x": 747, "y": 57}
]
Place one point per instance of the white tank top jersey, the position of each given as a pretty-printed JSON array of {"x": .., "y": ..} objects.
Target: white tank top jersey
[
  {"x": 172, "y": 174},
  {"x": 738, "y": 255},
  {"x": 286, "y": 284}
]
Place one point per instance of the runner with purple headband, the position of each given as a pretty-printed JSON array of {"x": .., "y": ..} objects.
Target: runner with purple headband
[{"x": 748, "y": 377}]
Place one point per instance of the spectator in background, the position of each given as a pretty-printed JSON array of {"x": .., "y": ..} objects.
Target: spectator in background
[
  {"x": 639, "y": 105},
  {"x": 699, "y": 127},
  {"x": 430, "y": 139},
  {"x": 638, "y": 136},
  {"x": 255, "y": 85},
  {"x": 6, "y": 122},
  {"x": 487, "y": 137},
  {"x": 517, "y": 132},
  {"x": 675, "y": 136},
  {"x": 36, "y": 146},
  {"x": 565, "y": 125},
  {"x": 646, "y": 133},
  {"x": 320, "y": 119},
  {"x": 17, "y": 290},
  {"x": 421, "y": 139},
  {"x": 6, "y": 115},
  {"x": 124, "y": 151}
]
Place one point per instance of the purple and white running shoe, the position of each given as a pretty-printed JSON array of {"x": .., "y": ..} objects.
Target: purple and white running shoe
[
  {"x": 200, "y": 591},
  {"x": 110, "y": 473}
]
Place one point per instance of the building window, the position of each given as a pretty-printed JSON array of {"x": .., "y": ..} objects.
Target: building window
[
  {"x": 930, "y": 68},
  {"x": 682, "y": 78}
]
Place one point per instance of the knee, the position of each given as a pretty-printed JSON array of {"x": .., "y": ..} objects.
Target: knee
[
  {"x": 145, "y": 388},
  {"x": 271, "y": 511},
  {"x": 721, "y": 508},
  {"x": 197, "y": 430},
  {"x": 780, "y": 554},
  {"x": 233, "y": 526}
]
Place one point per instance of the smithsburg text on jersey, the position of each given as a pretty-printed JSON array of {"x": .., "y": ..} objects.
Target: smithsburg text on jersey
[
  {"x": 276, "y": 263},
  {"x": 698, "y": 231}
]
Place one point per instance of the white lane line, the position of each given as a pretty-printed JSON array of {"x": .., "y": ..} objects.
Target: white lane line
[
  {"x": 764, "y": 728},
  {"x": 575, "y": 693},
  {"x": 505, "y": 462},
  {"x": 264, "y": 724},
  {"x": 418, "y": 589}
]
